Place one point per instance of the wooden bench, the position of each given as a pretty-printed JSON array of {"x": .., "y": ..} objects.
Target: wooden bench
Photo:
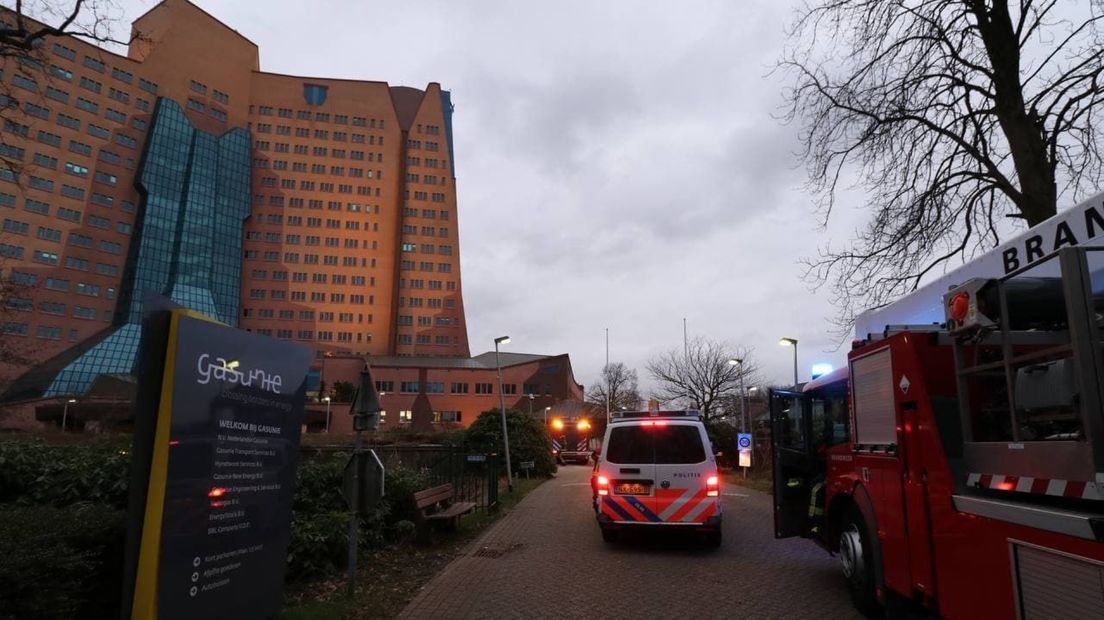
[{"x": 435, "y": 505}]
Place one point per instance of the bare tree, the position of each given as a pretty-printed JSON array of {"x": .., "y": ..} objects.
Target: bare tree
[
  {"x": 701, "y": 375},
  {"x": 16, "y": 288},
  {"x": 953, "y": 115},
  {"x": 24, "y": 31},
  {"x": 620, "y": 383},
  {"x": 26, "y": 26}
]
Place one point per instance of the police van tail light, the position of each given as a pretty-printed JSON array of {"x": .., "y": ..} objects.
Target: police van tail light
[
  {"x": 712, "y": 487},
  {"x": 603, "y": 485}
]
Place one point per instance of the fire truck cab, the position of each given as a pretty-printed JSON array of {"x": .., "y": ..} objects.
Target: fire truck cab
[
  {"x": 570, "y": 440},
  {"x": 958, "y": 463}
]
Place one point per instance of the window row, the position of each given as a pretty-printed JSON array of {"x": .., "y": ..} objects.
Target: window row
[{"x": 320, "y": 117}]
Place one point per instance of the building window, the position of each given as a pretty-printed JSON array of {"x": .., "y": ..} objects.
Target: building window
[
  {"x": 406, "y": 417},
  {"x": 65, "y": 52},
  {"x": 94, "y": 64},
  {"x": 459, "y": 388},
  {"x": 314, "y": 94},
  {"x": 484, "y": 388},
  {"x": 446, "y": 417}
]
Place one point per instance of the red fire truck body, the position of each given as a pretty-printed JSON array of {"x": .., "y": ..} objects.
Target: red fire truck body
[{"x": 960, "y": 466}]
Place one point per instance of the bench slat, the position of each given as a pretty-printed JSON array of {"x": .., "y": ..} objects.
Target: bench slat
[
  {"x": 455, "y": 510},
  {"x": 432, "y": 496}
]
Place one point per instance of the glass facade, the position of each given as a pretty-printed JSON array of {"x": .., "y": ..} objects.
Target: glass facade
[
  {"x": 447, "y": 108},
  {"x": 187, "y": 239}
]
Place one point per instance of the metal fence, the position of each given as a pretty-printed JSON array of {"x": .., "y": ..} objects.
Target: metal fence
[{"x": 474, "y": 474}]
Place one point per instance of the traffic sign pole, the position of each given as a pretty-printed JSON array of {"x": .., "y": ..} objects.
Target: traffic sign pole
[{"x": 743, "y": 443}]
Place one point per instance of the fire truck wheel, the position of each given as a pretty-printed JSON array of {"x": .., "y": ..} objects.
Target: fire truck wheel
[
  {"x": 858, "y": 565},
  {"x": 609, "y": 535}
]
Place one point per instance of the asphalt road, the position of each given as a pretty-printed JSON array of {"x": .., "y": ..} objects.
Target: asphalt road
[{"x": 546, "y": 559}]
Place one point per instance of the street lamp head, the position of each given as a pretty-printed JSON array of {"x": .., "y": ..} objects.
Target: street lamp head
[
  {"x": 735, "y": 361},
  {"x": 548, "y": 408},
  {"x": 531, "y": 397},
  {"x": 326, "y": 399},
  {"x": 788, "y": 342},
  {"x": 71, "y": 401},
  {"x": 502, "y": 340},
  {"x": 753, "y": 388}
]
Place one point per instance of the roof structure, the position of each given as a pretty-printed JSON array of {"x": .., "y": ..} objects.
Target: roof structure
[{"x": 483, "y": 361}]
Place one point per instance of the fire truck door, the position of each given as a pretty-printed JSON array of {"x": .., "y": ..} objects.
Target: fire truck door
[{"x": 794, "y": 463}]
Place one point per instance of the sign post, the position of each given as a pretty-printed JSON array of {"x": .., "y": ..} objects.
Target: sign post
[
  {"x": 365, "y": 411},
  {"x": 219, "y": 443},
  {"x": 743, "y": 442},
  {"x": 526, "y": 466}
]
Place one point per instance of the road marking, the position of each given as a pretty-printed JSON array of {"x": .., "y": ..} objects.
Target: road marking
[
  {"x": 736, "y": 495},
  {"x": 575, "y": 484}
]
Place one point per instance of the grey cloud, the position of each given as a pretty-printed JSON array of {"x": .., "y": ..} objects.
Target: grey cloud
[{"x": 617, "y": 162}]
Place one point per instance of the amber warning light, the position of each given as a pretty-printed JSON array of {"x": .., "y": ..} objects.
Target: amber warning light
[{"x": 959, "y": 306}]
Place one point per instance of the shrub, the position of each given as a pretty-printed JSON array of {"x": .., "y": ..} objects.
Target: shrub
[
  {"x": 406, "y": 436},
  {"x": 723, "y": 437},
  {"x": 36, "y": 473},
  {"x": 318, "y": 483},
  {"x": 318, "y": 544},
  {"x": 60, "y": 562},
  {"x": 399, "y": 489},
  {"x": 529, "y": 439}
]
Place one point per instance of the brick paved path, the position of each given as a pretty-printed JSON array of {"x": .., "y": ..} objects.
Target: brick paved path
[{"x": 546, "y": 559}]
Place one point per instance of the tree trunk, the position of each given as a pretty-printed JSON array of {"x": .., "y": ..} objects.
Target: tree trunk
[{"x": 1038, "y": 193}]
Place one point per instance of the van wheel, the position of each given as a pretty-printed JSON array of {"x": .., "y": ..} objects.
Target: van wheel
[
  {"x": 856, "y": 559},
  {"x": 713, "y": 539},
  {"x": 609, "y": 535}
]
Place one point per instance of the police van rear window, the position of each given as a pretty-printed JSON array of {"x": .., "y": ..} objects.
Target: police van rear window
[
  {"x": 678, "y": 445},
  {"x": 630, "y": 444},
  {"x": 662, "y": 445}
]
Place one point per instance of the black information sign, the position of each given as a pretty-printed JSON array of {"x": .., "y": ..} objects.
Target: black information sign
[{"x": 218, "y": 510}]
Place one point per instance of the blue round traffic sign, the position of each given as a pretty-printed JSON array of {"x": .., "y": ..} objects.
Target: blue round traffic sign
[{"x": 745, "y": 442}]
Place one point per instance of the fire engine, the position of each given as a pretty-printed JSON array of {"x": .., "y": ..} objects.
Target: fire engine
[
  {"x": 570, "y": 440},
  {"x": 957, "y": 461}
]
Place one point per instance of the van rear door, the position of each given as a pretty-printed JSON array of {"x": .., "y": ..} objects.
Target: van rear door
[
  {"x": 629, "y": 461},
  {"x": 683, "y": 462}
]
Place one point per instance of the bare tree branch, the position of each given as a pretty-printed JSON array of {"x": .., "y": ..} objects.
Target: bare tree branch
[
  {"x": 701, "y": 376},
  {"x": 952, "y": 116}
]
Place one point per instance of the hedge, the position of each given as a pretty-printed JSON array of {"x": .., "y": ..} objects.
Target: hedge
[
  {"x": 63, "y": 513},
  {"x": 60, "y": 562}
]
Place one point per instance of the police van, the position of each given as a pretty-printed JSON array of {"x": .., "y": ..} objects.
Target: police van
[{"x": 657, "y": 469}]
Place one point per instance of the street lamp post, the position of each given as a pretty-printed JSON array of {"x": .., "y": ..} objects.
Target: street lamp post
[
  {"x": 327, "y": 401},
  {"x": 65, "y": 412},
  {"x": 546, "y": 410},
  {"x": 502, "y": 411},
  {"x": 791, "y": 342},
  {"x": 531, "y": 404},
  {"x": 743, "y": 394}
]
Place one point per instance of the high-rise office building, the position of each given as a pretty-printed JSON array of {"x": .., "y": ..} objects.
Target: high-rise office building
[{"x": 316, "y": 210}]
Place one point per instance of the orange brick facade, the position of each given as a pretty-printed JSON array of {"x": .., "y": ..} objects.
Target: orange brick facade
[
  {"x": 425, "y": 393},
  {"x": 351, "y": 246}
]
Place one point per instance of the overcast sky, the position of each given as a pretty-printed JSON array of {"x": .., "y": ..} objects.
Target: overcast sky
[{"x": 617, "y": 164}]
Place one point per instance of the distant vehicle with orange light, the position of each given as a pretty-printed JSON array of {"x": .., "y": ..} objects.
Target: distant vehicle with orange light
[{"x": 570, "y": 440}]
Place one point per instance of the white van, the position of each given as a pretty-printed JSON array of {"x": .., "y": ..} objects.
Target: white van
[{"x": 657, "y": 469}]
